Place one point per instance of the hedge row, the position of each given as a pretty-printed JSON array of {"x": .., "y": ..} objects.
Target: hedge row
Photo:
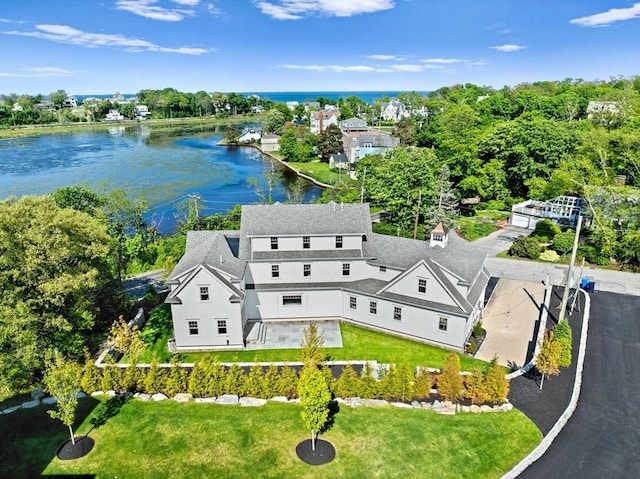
[{"x": 209, "y": 378}]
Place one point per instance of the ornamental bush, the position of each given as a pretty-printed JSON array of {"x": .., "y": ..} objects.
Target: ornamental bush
[
  {"x": 563, "y": 335},
  {"x": 546, "y": 228},
  {"x": 525, "y": 247},
  {"x": 549, "y": 256},
  {"x": 563, "y": 242}
]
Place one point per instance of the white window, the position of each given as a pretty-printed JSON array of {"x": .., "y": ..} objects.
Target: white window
[
  {"x": 291, "y": 299},
  {"x": 353, "y": 302},
  {"x": 373, "y": 307},
  {"x": 397, "y": 313},
  {"x": 306, "y": 270},
  {"x": 204, "y": 293},
  {"x": 274, "y": 242},
  {"x": 338, "y": 241},
  {"x": 442, "y": 324},
  {"x": 306, "y": 242},
  {"x": 222, "y": 326},
  {"x": 422, "y": 285},
  {"x": 193, "y": 327},
  {"x": 437, "y": 237},
  {"x": 275, "y": 271},
  {"x": 346, "y": 269}
]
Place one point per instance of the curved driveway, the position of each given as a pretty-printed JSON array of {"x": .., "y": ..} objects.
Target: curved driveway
[{"x": 602, "y": 438}]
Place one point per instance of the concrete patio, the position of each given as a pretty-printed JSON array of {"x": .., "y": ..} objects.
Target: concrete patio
[{"x": 289, "y": 334}]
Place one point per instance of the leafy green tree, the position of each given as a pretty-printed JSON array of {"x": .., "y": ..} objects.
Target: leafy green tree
[
  {"x": 91, "y": 376},
  {"x": 62, "y": 379},
  {"x": 441, "y": 204},
  {"x": 254, "y": 384},
  {"x": 288, "y": 383},
  {"x": 234, "y": 380},
  {"x": 79, "y": 198},
  {"x": 475, "y": 389},
  {"x": 155, "y": 379},
  {"x": 57, "y": 98},
  {"x": 215, "y": 377},
  {"x": 546, "y": 229},
  {"x": 273, "y": 121},
  {"x": 450, "y": 385},
  {"x": 406, "y": 131},
  {"x": 288, "y": 142},
  {"x": 525, "y": 247},
  {"x": 314, "y": 398},
  {"x": 231, "y": 134},
  {"x": 54, "y": 284},
  {"x": 270, "y": 382},
  {"x": 330, "y": 142},
  {"x": 423, "y": 384},
  {"x": 563, "y": 242}
]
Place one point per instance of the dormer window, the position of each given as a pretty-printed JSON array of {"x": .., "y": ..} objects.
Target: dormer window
[
  {"x": 274, "y": 242},
  {"x": 338, "y": 241}
]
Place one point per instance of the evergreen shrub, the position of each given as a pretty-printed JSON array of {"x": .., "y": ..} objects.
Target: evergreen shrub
[{"x": 525, "y": 247}]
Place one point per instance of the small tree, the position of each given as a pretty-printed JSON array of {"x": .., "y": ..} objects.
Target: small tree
[
  {"x": 270, "y": 382},
  {"x": 547, "y": 362},
  {"x": 314, "y": 398},
  {"x": 234, "y": 380},
  {"x": 62, "y": 380},
  {"x": 254, "y": 384},
  {"x": 496, "y": 384},
  {"x": 312, "y": 343},
  {"x": 525, "y": 247},
  {"x": 197, "y": 380},
  {"x": 91, "y": 375},
  {"x": 562, "y": 334},
  {"x": 405, "y": 380},
  {"x": 348, "y": 384},
  {"x": 288, "y": 383},
  {"x": 368, "y": 383},
  {"x": 177, "y": 378},
  {"x": 214, "y": 373},
  {"x": 475, "y": 389},
  {"x": 423, "y": 384},
  {"x": 154, "y": 381},
  {"x": 450, "y": 381},
  {"x": 122, "y": 335}
]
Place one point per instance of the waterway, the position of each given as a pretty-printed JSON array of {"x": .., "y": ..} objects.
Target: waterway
[{"x": 165, "y": 169}]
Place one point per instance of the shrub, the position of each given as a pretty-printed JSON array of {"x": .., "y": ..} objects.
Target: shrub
[
  {"x": 563, "y": 242},
  {"x": 496, "y": 385},
  {"x": 110, "y": 376},
  {"x": 154, "y": 381},
  {"x": 450, "y": 381},
  {"x": 197, "y": 379},
  {"x": 91, "y": 377},
  {"x": 270, "y": 382},
  {"x": 288, "y": 383},
  {"x": 214, "y": 373},
  {"x": 549, "y": 256},
  {"x": 472, "y": 348},
  {"x": 423, "y": 384},
  {"x": 474, "y": 387},
  {"x": 177, "y": 379},
  {"x": 349, "y": 384},
  {"x": 254, "y": 384},
  {"x": 478, "y": 330},
  {"x": 546, "y": 228},
  {"x": 368, "y": 383},
  {"x": 563, "y": 335},
  {"x": 234, "y": 380},
  {"x": 525, "y": 247}
]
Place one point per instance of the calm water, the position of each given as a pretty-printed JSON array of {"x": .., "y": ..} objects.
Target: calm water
[{"x": 164, "y": 170}]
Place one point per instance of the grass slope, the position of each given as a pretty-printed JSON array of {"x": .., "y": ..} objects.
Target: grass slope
[{"x": 157, "y": 440}]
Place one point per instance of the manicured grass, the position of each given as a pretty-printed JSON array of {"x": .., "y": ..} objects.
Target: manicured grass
[
  {"x": 480, "y": 225},
  {"x": 358, "y": 344},
  {"x": 318, "y": 170},
  {"x": 168, "y": 439}
]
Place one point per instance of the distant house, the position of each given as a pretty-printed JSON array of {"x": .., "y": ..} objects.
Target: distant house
[
  {"x": 114, "y": 115},
  {"x": 311, "y": 105},
  {"x": 320, "y": 120},
  {"x": 563, "y": 210},
  {"x": 353, "y": 124},
  {"x": 250, "y": 136},
  {"x": 322, "y": 262},
  {"x": 70, "y": 102},
  {"x": 142, "y": 112},
  {"x": 291, "y": 105},
  {"x": 359, "y": 144},
  {"x": 270, "y": 142},
  {"x": 339, "y": 160},
  {"x": 393, "y": 111}
]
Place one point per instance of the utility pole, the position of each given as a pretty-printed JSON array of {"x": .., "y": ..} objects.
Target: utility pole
[
  {"x": 364, "y": 175},
  {"x": 415, "y": 228},
  {"x": 567, "y": 286}
]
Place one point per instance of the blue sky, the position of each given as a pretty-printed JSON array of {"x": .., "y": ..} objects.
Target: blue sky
[{"x": 104, "y": 46}]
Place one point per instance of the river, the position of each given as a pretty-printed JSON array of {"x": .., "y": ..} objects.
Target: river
[{"x": 166, "y": 170}]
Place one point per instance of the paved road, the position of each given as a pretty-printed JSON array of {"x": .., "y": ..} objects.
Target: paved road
[
  {"x": 602, "y": 439},
  {"x": 137, "y": 286}
]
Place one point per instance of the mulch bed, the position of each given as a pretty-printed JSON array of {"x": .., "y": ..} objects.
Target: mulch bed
[
  {"x": 82, "y": 447},
  {"x": 323, "y": 454}
]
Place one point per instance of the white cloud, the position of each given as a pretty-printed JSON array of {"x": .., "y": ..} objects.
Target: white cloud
[
  {"x": 442, "y": 60},
  {"x": 297, "y": 9},
  {"x": 386, "y": 57},
  {"x": 149, "y": 9},
  {"x": 478, "y": 63},
  {"x": 70, "y": 35},
  {"x": 400, "y": 67},
  {"x": 38, "y": 72},
  {"x": 6, "y": 20},
  {"x": 213, "y": 10},
  {"x": 509, "y": 47},
  {"x": 607, "y": 18}
]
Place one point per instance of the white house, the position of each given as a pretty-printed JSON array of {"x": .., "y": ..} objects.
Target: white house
[
  {"x": 323, "y": 262},
  {"x": 142, "y": 112},
  {"x": 320, "y": 120},
  {"x": 250, "y": 136},
  {"x": 563, "y": 210},
  {"x": 394, "y": 111}
]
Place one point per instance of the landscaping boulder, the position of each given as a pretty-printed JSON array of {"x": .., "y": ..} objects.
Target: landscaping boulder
[
  {"x": 97, "y": 393},
  {"x": 37, "y": 393},
  {"x": 474, "y": 408},
  {"x": 506, "y": 407},
  {"x": 183, "y": 397},
  {"x": 9, "y": 410},
  {"x": 375, "y": 402},
  {"x": 252, "y": 402},
  {"x": 465, "y": 408},
  {"x": 110, "y": 393},
  {"x": 159, "y": 397},
  {"x": 30, "y": 404},
  {"x": 279, "y": 399},
  {"x": 229, "y": 399},
  {"x": 80, "y": 395},
  {"x": 401, "y": 405},
  {"x": 416, "y": 404},
  {"x": 205, "y": 399},
  {"x": 49, "y": 400},
  {"x": 426, "y": 405},
  {"x": 145, "y": 397},
  {"x": 485, "y": 408}
]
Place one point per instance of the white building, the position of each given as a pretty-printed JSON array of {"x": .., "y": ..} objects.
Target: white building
[
  {"x": 323, "y": 262},
  {"x": 321, "y": 120},
  {"x": 563, "y": 210}
]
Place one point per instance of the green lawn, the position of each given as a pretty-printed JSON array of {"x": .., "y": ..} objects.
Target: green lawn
[
  {"x": 318, "y": 170},
  {"x": 480, "y": 225},
  {"x": 358, "y": 344},
  {"x": 168, "y": 439}
]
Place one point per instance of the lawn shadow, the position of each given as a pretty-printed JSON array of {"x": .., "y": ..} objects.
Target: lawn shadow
[
  {"x": 108, "y": 410},
  {"x": 334, "y": 409},
  {"x": 31, "y": 439}
]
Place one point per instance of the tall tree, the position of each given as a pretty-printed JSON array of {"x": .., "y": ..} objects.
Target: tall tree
[
  {"x": 53, "y": 279},
  {"x": 330, "y": 142},
  {"x": 273, "y": 121},
  {"x": 441, "y": 204},
  {"x": 450, "y": 381},
  {"x": 548, "y": 358}
]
